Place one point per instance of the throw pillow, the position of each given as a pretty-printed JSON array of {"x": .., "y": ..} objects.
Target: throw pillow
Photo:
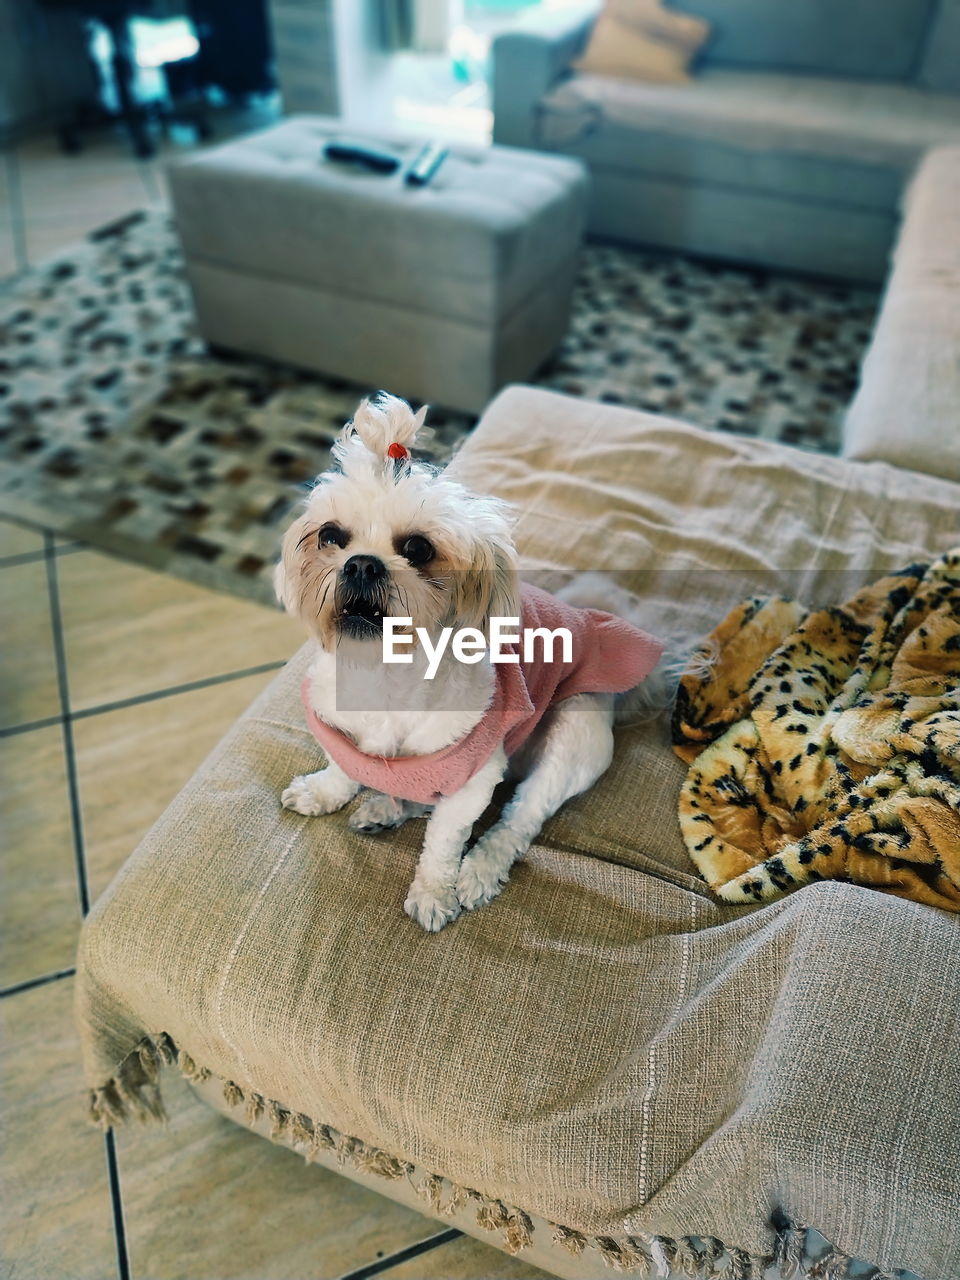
[{"x": 641, "y": 40}]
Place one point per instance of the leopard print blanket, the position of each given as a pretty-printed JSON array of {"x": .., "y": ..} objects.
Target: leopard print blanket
[{"x": 826, "y": 745}]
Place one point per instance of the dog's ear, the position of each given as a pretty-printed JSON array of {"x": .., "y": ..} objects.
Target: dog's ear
[
  {"x": 287, "y": 572},
  {"x": 490, "y": 586}
]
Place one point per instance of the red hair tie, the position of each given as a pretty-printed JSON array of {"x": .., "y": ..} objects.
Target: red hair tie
[{"x": 399, "y": 452}]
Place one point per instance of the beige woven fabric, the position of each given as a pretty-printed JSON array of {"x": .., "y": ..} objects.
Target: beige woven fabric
[{"x": 605, "y": 1046}]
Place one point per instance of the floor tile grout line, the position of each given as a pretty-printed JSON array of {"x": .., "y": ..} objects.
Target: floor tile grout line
[
  {"x": 403, "y": 1255},
  {"x": 30, "y": 983},
  {"x": 76, "y": 819},
  {"x": 12, "y": 730},
  {"x": 116, "y": 1200},
  {"x": 66, "y": 726},
  {"x": 156, "y": 695},
  {"x": 18, "y": 219},
  {"x": 28, "y": 557},
  {"x": 191, "y": 686}
]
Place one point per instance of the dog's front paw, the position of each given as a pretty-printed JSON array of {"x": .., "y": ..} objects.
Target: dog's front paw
[
  {"x": 313, "y": 794},
  {"x": 432, "y": 906},
  {"x": 479, "y": 881}
]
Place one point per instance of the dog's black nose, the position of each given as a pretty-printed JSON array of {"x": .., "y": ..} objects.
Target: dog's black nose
[{"x": 364, "y": 571}]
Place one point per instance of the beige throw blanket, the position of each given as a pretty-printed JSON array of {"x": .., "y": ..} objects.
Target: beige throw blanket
[{"x": 607, "y": 1047}]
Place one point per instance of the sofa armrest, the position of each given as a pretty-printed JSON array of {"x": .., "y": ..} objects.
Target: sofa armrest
[{"x": 528, "y": 60}]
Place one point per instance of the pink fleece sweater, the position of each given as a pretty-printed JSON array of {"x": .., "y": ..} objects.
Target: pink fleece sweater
[{"x": 608, "y": 655}]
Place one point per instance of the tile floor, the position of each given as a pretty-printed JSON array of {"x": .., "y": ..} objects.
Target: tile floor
[
  {"x": 49, "y": 200},
  {"x": 104, "y": 713}
]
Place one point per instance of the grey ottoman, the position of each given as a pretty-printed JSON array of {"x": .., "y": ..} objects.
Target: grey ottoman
[{"x": 440, "y": 293}]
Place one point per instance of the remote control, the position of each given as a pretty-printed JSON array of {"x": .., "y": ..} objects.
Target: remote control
[
  {"x": 365, "y": 157},
  {"x": 425, "y": 164}
]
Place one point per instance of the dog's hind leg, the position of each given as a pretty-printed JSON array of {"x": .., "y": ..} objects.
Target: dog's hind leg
[
  {"x": 377, "y": 812},
  {"x": 576, "y": 748}
]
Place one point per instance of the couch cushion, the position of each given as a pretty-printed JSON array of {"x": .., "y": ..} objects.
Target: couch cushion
[
  {"x": 604, "y": 1045},
  {"x": 833, "y": 37},
  {"x": 834, "y": 141},
  {"x": 907, "y": 409},
  {"x": 940, "y": 67}
]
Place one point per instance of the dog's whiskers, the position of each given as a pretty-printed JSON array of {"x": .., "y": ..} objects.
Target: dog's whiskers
[{"x": 323, "y": 577}]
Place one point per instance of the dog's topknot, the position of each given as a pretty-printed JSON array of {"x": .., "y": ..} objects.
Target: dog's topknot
[{"x": 384, "y": 426}]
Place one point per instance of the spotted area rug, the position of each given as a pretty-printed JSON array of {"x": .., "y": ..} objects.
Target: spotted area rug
[{"x": 118, "y": 427}]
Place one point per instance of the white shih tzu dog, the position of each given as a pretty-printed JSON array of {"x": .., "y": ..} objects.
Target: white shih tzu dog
[{"x": 485, "y": 672}]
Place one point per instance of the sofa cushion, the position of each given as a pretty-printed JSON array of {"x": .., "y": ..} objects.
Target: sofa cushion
[
  {"x": 881, "y": 39},
  {"x": 907, "y": 409},
  {"x": 604, "y": 1045},
  {"x": 940, "y": 67},
  {"x": 841, "y": 142}
]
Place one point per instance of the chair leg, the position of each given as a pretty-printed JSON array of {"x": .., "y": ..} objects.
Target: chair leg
[
  {"x": 69, "y": 134},
  {"x": 123, "y": 71}
]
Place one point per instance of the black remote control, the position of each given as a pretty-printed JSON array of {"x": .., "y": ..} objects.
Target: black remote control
[
  {"x": 362, "y": 156},
  {"x": 425, "y": 164}
]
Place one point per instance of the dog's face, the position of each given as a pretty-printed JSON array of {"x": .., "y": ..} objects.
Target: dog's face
[{"x": 384, "y": 536}]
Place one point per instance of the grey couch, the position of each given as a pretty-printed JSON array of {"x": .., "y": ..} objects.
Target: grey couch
[{"x": 791, "y": 146}]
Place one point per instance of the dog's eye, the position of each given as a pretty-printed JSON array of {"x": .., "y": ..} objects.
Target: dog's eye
[
  {"x": 417, "y": 549},
  {"x": 331, "y": 535}
]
